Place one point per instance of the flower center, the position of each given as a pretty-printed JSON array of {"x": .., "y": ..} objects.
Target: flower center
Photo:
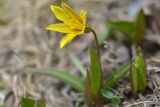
[{"x": 75, "y": 24}]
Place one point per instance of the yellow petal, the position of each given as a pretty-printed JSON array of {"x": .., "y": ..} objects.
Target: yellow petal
[
  {"x": 83, "y": 15},
  {"x": 60, "y": 27},
  {"x": 60, "y": 13},
  {"x": 68, "y": 38},
  {"x": 71, "y": 11}
]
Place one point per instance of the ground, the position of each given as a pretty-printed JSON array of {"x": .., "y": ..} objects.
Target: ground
[{"x": 25, "y": 43}]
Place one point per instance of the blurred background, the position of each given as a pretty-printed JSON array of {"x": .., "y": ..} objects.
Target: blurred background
[{"x": 25, "y": 43}]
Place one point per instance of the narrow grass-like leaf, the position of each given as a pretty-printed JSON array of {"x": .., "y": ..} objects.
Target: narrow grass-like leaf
[
  {"x": 78, "y": 64},
  {"x": 116, "y": 75},
  {"x": 115, "y": 100},
  {"x": 94, "y": 79},
  {"x": 64, "y": 76}
]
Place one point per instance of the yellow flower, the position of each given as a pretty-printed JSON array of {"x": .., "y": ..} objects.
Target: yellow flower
[{"x": 73, "y": 24}]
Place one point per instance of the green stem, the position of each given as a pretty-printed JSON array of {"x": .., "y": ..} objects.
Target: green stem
[{"x": 96, "y": 40}]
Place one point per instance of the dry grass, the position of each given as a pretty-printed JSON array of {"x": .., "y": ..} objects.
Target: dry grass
[{"x": 25, "y": 43}]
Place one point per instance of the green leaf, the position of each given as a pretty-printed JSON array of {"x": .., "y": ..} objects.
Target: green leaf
[
  {"x": 64, "y": 76},
  {"x": 78, "y": 64},
  {"x": 102, "y": 37},
  {"x": 2, "y": 86},
  {"x": 116, "y": 75},
  {"x": 124, "y": 26},
  {"x": 133, "y": 77},
  {"x": 115, "y": 100},
  {"x": 141, "y": 69},
  {"x": 95, "y": 73},
  {"x": 139, "y": 27},
  {"x": 138, "y": 73},
  {"x": 94, "y": 78},
  {"x": 26, "y": 102},
  {"x": 133, "y": 30},
  {"x": 3, "y": 23},
  {"x": 40, "y": 103}
]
